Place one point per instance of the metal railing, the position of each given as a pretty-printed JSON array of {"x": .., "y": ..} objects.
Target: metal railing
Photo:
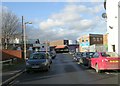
[{"x": 6, "y": 61}]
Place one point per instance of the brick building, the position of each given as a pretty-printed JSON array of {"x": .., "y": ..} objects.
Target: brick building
[
  {"x": 59, "y": 42},
  {"x": 86, "y": 40}
]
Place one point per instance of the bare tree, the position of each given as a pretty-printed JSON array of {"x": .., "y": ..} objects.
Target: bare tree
[{"x": 10, "y": 27}]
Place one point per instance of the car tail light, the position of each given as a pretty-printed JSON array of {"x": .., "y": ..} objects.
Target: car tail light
[{"x": 105, "y": 60}]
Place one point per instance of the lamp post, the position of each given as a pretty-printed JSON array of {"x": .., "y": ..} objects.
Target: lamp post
[{"x": 24, "y": 35}]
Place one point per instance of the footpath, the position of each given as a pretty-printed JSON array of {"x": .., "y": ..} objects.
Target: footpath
[{"x": 11, "y": 71}]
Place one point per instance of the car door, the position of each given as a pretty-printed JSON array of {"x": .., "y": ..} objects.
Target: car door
[{"x": 94, "y": 59}]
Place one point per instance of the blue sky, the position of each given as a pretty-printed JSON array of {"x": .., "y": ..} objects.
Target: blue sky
[
  {"x": 32, "y": 10},
  {"x": 60, "y": 20}
]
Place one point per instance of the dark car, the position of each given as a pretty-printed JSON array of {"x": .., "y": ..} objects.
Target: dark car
[
  {"x": 38, "y": 61},
  {"x": 77, "y": 56},
  {"x": 86, "y": 58}
]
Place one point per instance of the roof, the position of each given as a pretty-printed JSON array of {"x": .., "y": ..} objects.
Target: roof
[{"x": 60, "y": 46}]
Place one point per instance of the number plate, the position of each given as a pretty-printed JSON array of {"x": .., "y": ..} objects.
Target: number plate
[
  {"x": 114, "y": 61},
  {"x": 35, "y": 66}
]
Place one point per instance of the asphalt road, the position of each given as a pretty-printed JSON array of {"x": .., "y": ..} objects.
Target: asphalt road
[{"x": 65, "y": 71}]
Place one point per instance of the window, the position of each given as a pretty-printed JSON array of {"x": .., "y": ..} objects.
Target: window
[
  {"x": 86, "y": 40},
  {"x": 37, "y": 56},
  {"x": 101, "y": 39},
  {"x": 113, "y": 46},
  {"x": 105, "y": 55},
  {"x": 96, "y": 55},
  {"x": 94, "y": 39},
  {"x": 82, "y": 40},
  {"x": 97, "y": 39}
]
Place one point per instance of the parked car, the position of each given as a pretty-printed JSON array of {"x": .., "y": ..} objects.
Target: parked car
[
  {"x": 86, "y": 58},
  {"x": 105, "y": 61},
  {"x": 71, "y": 52},
  {"x": 77, "y": 56},
  {"x": 81, "y": 60},
  {"x": 53, "y": 54},
  {"x": 38, "y": 61}
]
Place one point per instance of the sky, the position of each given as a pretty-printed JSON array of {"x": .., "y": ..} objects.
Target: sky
[{"x": 60, "y": 20}]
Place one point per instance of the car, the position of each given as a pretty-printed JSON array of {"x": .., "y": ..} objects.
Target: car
[
  {"x": 105, "y": 61},
  {"x": 53, "y": 54},
  {"x": 77, "y": 56},
  {"x": 86, "y": 58},
  {"x": 71, "y": 52},
  {"x": 38, "y": 61},
  {"x": 83, "y": 56}
]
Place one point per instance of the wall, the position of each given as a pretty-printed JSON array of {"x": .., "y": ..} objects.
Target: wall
[
  {"x": 7, "y": 54},
  {"x": 91, "y": 39},
  {"x": 112, "y": 21},
  {"x": 119, "y": 28},
  {"x": 57, "y": 42}
]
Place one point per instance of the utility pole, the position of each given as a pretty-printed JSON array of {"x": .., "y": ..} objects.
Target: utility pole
[
  {"x": 22, "y": 43},
  {"x": 24, "y": 36},
  {"x": 22, "y": 28},
  {"x": 46, "y": 46}
]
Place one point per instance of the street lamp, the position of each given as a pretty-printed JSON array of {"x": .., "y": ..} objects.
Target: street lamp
[{"x": 25, "y": 38}]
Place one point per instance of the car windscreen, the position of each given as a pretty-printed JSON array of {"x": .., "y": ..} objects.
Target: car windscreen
[{"x": 38, "y": 56}]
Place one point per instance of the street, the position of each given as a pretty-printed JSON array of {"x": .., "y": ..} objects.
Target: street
[{"x": 65, "y": 71}]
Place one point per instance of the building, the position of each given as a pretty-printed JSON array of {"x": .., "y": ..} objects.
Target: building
[
  {"x": 41, "y": 47},
  {"x": 87, "y": 40},
  {"x": 11, "y": 42},
  {"x": 59, "y": 45},
  {"x": 65, "y": 45},
  {"x": 105, "y": 41},
  {"x": 59, "y": 42},
  {"x": 112, "y": 7}
]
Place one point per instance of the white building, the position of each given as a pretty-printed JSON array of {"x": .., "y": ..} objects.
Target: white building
[
  {"x": 112, "y": 9},
  {"x": 41, "y": 47}
]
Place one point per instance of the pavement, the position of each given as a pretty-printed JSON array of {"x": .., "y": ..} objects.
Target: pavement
[{"x": 11, "y": 71}]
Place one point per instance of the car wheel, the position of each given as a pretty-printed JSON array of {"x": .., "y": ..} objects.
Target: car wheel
[
  {"x": 28, "y": 71},
  {"x": 89, "y": 64},
  {"x": 97, "y": 69},
  {"x": 48, "y": 68}
]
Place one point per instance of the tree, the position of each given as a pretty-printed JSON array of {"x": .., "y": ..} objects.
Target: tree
[{"x": 10, "y": 27}]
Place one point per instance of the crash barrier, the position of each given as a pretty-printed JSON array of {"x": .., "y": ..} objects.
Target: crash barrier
[{"x": 6, "y": 61}]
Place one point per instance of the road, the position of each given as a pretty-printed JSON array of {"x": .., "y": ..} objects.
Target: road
[{"x": 65, "y": 71}]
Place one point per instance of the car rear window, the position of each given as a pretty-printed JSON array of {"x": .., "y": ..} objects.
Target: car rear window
[
  {"x": 109, "y": 54},
  {"x": 38, "y": 56}
]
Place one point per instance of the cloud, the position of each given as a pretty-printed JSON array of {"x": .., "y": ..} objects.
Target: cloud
[
  {"x": 50, "y": 23},
  {"x": 71, "y": 22}
]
